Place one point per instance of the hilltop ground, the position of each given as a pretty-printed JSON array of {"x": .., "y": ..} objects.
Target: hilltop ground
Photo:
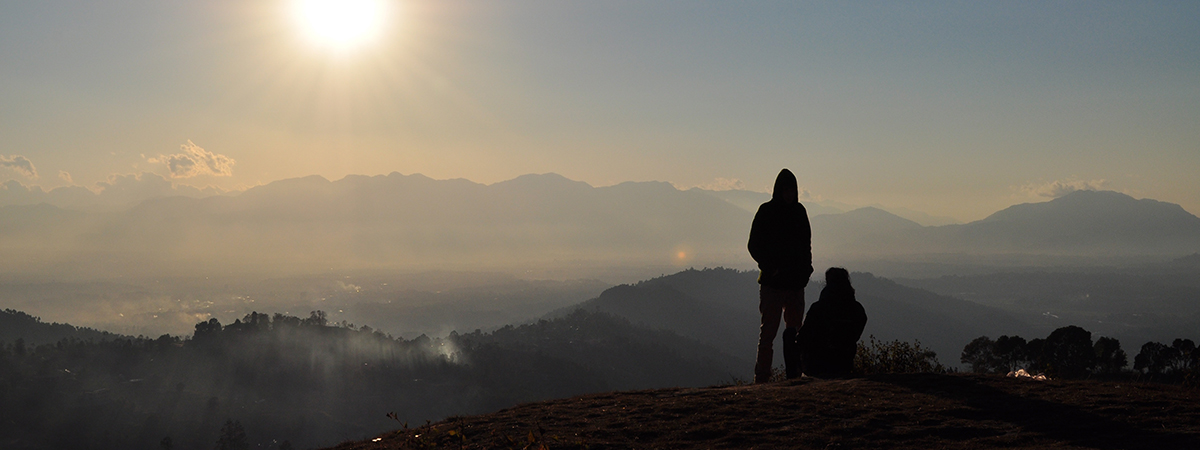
[{"x": 911, "y": 411}]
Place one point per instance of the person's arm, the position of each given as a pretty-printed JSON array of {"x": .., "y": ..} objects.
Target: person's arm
[
  {"x": 806, "y": 241},
  {"x": 758, "y": 246}
]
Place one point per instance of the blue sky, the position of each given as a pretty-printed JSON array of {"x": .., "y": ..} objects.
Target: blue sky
[{"x": 952, "y": 108}]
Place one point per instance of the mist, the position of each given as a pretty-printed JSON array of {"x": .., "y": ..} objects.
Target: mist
[{"x": 307, "y": 309}]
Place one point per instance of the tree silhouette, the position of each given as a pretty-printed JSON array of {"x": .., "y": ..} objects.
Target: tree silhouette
[
  {"x": 1181, "y": 356},
  {"x": 1010, "y": 353},
  {"x": 1152, "y": 359},
  {"x": 1068, "y": 352},
  {"x": 1109, "y": 356},
  {"x": 979, "y": 355}
]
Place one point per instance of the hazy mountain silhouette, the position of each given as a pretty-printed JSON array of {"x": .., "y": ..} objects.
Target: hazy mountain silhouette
[
  {"x": 1087, "y": 221},
  {"x": 863, "y": 231},
  {"x": 413, "y": 221},
  {"x": 32, "y": 331},
  {"x": 751, "y": 200},
  {"x": 302, "y": 380},
  {"x": 1135, "y": 304},
  {"x": 1080, "y": 223},
  {"x": 719, "y": 307}
]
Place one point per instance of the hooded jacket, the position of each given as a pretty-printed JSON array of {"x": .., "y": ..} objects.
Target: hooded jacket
[{"x": 781, "y": 237}]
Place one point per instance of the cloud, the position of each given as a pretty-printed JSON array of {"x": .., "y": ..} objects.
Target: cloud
[
  {"x": 20, "y": 164},
  {"x": 118, "y": 191},
  {"x": 1059, "y": 188},
  {"x": 195, "y": 161},
  {"x": 723, "y": 184}
]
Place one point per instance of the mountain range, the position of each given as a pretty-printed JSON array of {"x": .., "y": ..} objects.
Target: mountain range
[{"x": 400, "y": 220}]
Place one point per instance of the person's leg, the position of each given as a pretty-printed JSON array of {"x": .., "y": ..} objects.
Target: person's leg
[
  {"x": 793, "y": 316},
  {"x": 771, "y": 305},
  {"x": 793, "y": 308},
  {"x": 793, "y": 361}
]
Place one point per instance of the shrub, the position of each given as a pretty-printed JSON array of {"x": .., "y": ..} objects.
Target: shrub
[{"x": 875, "y": 357}]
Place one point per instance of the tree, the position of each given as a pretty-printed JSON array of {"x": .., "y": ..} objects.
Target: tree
[
  {"x": 980, "y": 354},
  {"x": 1109, "y": 356},
  {"x": 1068, "y": 352},
  {"x": 205, "y": 330},
  {"x": 317, "y": 318},
  {"x": 1010, "y": 354},
  {"x": 1181, "y": 355},
  {"x": 233, "y": 437},
  {"x": 1034, "y": 350},
  {"x": 1152, "y": 359}
]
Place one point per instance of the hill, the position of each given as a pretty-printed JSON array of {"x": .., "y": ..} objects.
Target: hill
[
  {"x": 284, "y": 378},
  {"x": 385, "y": 221},
  {"x": 903, "y": 411},
  {"x": 543, "y": 220},
  {"x": 1134, "y": 304},
  {"x": 1083, "y": 223},
  {"x": 32, "y": 331},
  {"x": 719, "y": 307},
  {"x": 1087, "y": 222}
]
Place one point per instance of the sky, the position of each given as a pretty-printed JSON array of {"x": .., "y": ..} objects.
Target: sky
[{"x": 951, "y": 108}]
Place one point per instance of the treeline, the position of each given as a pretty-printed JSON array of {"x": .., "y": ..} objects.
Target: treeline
[
  {"x": 16, "y": 325},
  {"x": 1069, "y": 352},
  {"x": 288, "y": 381}
]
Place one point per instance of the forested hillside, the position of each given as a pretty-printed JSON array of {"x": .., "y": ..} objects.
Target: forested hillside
[{"x": 285, "y": 378}]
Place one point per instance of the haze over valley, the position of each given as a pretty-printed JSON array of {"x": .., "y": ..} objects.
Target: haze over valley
[{"x": 270, "y": 224}]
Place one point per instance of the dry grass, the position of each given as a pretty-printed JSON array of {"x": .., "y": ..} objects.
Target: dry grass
[{"x": 904, "y": 411}]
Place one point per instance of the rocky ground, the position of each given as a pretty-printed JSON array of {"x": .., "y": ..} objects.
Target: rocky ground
[{"x": 903, "y": 411}]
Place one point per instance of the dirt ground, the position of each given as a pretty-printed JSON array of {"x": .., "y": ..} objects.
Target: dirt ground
[{"x": 910, "y": 411}]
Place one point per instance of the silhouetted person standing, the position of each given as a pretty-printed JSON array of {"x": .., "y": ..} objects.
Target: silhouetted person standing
[
  {"x": 829, "y": 337},
  {"x": 781, "y": 243}
]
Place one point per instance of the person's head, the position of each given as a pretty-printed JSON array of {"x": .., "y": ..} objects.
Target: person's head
[
  {"x": 785, "y": 187},
  {"x": 837, "y": 278}
]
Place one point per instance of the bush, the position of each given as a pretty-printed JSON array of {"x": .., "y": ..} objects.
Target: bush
[{"x": 876, "y": 357}]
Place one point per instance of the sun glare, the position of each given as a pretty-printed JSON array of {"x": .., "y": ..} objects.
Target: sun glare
[{"x": 341, "y": 24}]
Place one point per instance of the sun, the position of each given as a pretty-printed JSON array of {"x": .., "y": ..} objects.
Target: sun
[{"x": 341, "y": 24}]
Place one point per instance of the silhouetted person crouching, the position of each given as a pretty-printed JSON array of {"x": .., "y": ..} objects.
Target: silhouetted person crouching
[
  {"x": 781, "y": 244},
  {"x": 829, "y": 337}
]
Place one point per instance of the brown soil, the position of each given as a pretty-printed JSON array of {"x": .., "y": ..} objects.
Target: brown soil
[{"x": 913, "y": 411}]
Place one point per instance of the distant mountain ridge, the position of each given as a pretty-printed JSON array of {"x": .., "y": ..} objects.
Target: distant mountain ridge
[
  {"x": 1082, "y": 223},
  {"x": 414, "y": 221},
  {"x": 719, "y": 307}
]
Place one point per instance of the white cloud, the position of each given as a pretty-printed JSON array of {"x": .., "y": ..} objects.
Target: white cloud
[
  {"x": 1059, "y": 188},
  {"x": 723, "y": 184},
  {"x": 195, "y": 161},
  {"x": 116, "y": 192},
  {"x": 20, "y": 164}
]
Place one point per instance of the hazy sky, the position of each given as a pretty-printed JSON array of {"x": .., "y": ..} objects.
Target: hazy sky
[{"x": 953, "y": 108}]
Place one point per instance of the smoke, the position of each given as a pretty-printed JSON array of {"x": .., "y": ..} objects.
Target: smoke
[
  {"x": 1059, "y": 188},
  {"x": 20, "y": 164},
  {"x": 195, "y": 161},
  {"x": 65, "y": 176}
]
